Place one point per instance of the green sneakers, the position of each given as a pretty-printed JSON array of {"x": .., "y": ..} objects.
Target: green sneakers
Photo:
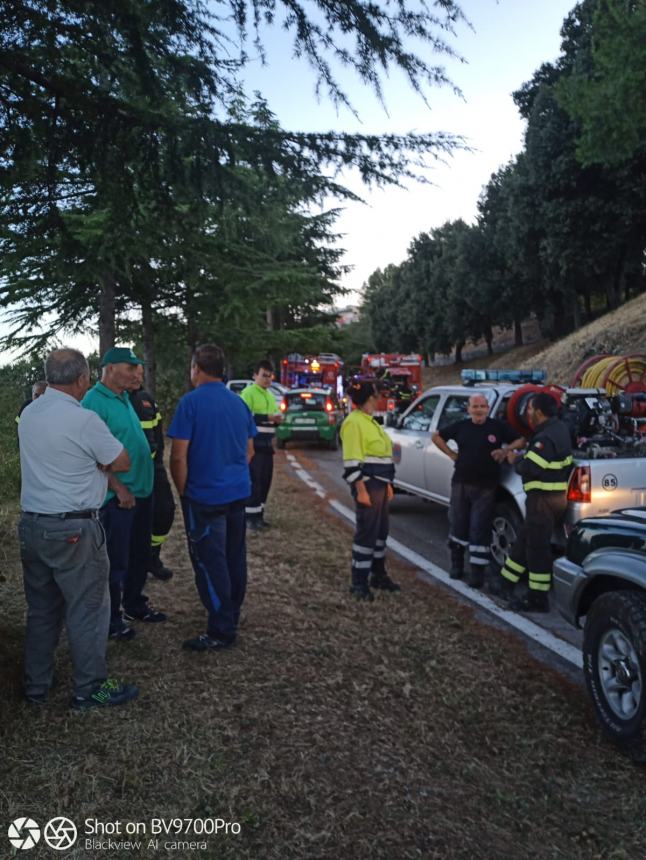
[{"x": 108, "y": 695}]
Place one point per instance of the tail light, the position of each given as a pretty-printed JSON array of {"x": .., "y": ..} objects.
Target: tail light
[
  {"x": 328, "y": 406},
  {"x": 283, "y": 406},
  {"x": 390, "y": 405},
  {"x": 579, "y": 489}
]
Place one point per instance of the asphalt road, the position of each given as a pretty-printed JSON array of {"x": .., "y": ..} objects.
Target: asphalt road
[{"x": 421, "y": 525}]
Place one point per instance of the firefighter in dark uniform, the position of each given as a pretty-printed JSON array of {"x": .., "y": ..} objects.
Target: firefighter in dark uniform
[
  {"x": 473, "y": 487},
  {"x": 262, "y": 405},
  {"x": 163, "y": 502},
  {"x": 369, "y": 469},
  {"x": 545, "y": 470}
]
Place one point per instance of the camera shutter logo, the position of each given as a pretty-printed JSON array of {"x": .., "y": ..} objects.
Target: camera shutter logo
[
  {"x": 23, "y": 833},
  {"x": 60, "y": 833}
]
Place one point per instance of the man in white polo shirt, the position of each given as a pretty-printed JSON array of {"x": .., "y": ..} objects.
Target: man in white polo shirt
[{"x": 65, "y": 454}]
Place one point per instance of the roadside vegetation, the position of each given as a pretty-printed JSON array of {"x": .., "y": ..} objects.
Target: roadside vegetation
[{"x": 404, "y": 729}]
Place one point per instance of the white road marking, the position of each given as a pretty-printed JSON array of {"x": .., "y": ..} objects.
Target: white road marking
[{"x": 524, "y": 625}]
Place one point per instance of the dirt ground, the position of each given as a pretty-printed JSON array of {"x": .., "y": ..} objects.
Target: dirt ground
[{"x": 401, "y": 729}]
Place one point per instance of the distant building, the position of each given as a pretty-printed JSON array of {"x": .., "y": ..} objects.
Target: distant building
[{"x": 347, "y": 316}]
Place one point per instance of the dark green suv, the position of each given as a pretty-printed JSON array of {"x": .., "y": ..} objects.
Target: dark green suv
[{"x": 310, "y": 415}]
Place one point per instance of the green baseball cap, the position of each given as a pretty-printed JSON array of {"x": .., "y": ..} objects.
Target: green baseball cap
[{"x": 120, "y": 355}]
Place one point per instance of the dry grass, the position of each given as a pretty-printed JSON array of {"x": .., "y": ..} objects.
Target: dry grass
[
  {"x": 404, "y": 729},
  {"x": 621, "y": 332}
]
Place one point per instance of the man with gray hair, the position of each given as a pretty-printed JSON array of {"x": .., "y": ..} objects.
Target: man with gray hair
[{"x": 62, "y": 544}]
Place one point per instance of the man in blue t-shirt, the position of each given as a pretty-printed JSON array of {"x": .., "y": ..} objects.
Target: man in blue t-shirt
[{"x": 212, "y": 432}]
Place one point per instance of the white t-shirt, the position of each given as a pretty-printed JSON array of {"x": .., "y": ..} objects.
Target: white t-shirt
[{"x": 61, "y": 445}]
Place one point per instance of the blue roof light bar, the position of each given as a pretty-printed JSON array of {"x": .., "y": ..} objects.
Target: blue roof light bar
[{"x": 470, "y": 377}]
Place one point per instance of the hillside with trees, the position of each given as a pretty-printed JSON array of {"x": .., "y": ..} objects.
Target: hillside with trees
[{"x": 560, "y": 232}]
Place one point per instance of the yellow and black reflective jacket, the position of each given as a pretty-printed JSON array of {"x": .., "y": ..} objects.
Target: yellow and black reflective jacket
[{"x": 547, "y": 464}]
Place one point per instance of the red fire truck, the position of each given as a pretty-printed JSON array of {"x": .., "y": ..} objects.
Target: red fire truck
[
  {"x": 324, "y": 370},
  {"x": 398, "y": 378}
]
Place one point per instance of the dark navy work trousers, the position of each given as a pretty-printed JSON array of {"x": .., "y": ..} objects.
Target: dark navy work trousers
[
  {"x": 217, "y": 546},
  {"x": 127, "y": 532}
]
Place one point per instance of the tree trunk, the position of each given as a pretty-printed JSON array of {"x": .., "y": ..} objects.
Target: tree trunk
[
  {"x": 576, "y": 313},
  {"x": 147, "y": 316},
  {"x": 106, "y": 313},
  {"x": 191, "y": 337},
  {"x": 458, "y": 352},
  {"x": 489, "y": 340},
  {"x": 518, "y": 332},
  {"x": 587, "y": 301}
]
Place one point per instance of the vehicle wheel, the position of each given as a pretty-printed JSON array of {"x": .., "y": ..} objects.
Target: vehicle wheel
[
  {"x": 333, "y": 443},
  {"x": 506, "y": 525},
  {"x": 614, "y": 665},
  {"x": 280, "y": 443}
]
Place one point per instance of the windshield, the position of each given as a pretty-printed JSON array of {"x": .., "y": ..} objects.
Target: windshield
[{"x": 306, "y": 401}]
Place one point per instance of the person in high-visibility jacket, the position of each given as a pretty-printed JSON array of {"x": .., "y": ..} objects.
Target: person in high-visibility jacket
[
  {"x": 163, "y": 503},
  {"x": 545, "y": 469},
  {"x": 370, "y": 471},
  {"x": 262, "y": 405}
]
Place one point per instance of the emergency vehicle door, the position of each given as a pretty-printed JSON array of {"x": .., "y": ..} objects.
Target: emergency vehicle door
[
  {"x": 439, "y": 467},
  {"x": 411, "y": 442}
]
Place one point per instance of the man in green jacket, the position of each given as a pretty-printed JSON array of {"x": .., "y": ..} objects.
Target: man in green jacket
[{"x": 263, "y": 407}]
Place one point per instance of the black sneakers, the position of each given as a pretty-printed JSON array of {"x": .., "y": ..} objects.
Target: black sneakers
[
  {"x": 204, "y": 642},
  {"x": 122, "y": 633},
  {"x": 109, "y": 694},
  {"x": 148, "y": 614}
]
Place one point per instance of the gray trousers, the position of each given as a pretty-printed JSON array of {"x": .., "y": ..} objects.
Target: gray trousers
[{"x": 65, "y": 567}]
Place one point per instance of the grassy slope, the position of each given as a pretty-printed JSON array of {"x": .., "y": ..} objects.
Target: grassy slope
[
  {"x": 621, "y": 332},
  {"x": 405, "y": 729}
]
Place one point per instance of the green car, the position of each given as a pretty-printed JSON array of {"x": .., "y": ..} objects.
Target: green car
[{"x": 310, "y": 415}]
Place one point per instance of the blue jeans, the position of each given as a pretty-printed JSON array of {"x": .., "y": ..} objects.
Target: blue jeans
[
  {"x": 127, "y": 534},
  {"x": 217, "y": 547}
]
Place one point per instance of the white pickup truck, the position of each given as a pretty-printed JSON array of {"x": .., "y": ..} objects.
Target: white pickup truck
[{"x": 610, "y": 470}]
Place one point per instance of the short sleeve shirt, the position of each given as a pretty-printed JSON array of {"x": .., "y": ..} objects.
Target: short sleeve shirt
[
  {"x": 475, "y": 465},
  {"x": 117, "y": 412},
  {"x": 61, "y": 445},
  {"x": 217, "y": 424}
]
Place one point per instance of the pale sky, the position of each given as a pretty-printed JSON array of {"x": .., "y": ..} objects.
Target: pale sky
[{"x": 510, "y": 40}]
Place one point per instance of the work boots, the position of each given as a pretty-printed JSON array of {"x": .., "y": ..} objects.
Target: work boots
[
  {"x": 457, "y": 561},
  {"x": 384, "y": 582},
  {"x": 157, "y": 567},
  {"x": 475, "y": 576},
  {"x": 500, "y": 587},
  {"x": 532, "y": 601},
  {"x": 359, "y": 588}
]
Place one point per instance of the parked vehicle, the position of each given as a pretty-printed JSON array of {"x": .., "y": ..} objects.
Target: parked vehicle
[
  {"x": 310, "y": 415},
  {"x": 610, "y": 467},
  {"x": 398, "y": 378},
  {"x": 302, "y": 371},
  {"x": 239, "y": 385},
  {"x": 602, "y": 579}
]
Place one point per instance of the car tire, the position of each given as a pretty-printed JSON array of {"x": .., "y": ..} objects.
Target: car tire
[
  {"x": 333, "y": 443},
  {"x": 506, "y": 525},
  {"x": 614, "y": 666}
]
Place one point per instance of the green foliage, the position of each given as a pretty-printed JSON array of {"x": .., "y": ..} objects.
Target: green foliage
[
  {"x": 15, "y": 387},
  {"x": 605, "y": 90},
  {"x": 136, "y": 174}
]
